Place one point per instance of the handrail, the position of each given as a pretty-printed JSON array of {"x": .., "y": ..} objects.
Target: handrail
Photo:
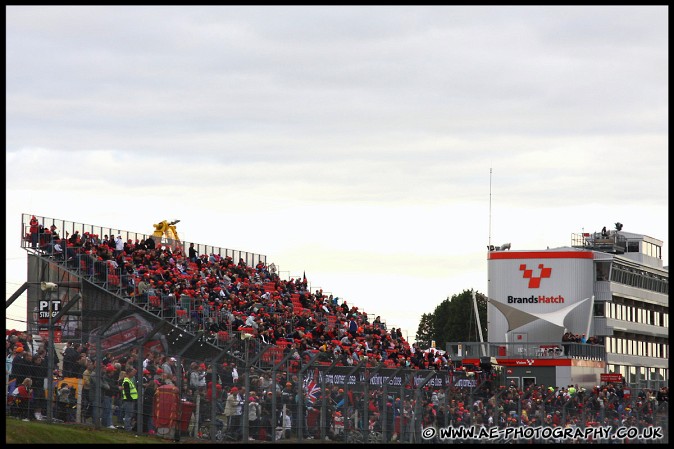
[{"x": 70, "y": 227}]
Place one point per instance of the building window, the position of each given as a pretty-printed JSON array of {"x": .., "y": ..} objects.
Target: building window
[
  {"x": 661, "y": 373},
  {"x": 655, "y": 374},
  {"x": 632, "y": 247},
  {"x": 599, "y": 309},
  {"x": 646, "y": 281},
  {"x": 652, "y": 250},
  {"x": 638, "y": 278},
  {"x": 632, "y": 374},
  {"x": 603, "y": 269}
]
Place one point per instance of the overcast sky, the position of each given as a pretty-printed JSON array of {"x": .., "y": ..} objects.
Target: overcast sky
[{"x": 350, "y": 143}]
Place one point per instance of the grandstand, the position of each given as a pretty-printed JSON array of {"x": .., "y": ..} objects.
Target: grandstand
[{"x": 177, "y": 304}]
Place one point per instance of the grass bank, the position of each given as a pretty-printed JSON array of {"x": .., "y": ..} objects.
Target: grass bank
[{"x": 39, "y": 432}]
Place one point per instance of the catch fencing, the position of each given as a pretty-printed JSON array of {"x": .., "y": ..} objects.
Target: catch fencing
[{"x": 306, "y": 396}]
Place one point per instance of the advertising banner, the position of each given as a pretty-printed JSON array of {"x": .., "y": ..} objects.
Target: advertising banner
[{"x": 340, "y": 376}]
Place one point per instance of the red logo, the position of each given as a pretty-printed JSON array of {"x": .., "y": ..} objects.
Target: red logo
[{"x": 535, "y": 281}]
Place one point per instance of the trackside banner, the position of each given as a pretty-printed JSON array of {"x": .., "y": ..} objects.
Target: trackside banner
[{"x": 341, "y": 376}]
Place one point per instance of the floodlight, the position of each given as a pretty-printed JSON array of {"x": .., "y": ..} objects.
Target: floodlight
[{"x": 48, "y": 286}]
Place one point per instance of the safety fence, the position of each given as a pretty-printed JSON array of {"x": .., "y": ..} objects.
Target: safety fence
[{"x": 301, "y": 398}]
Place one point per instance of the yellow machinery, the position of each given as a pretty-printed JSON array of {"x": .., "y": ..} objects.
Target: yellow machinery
[{"x": 168, "y": 230}]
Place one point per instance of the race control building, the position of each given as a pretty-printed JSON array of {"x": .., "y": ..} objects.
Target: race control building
[{"x": 609, "y": 286}]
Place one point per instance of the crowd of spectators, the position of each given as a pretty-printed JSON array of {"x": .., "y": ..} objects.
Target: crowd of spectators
[
  {"x": 218, "y": 295},
  {"x": 576, "y": 338},
  {"x": 489, "y": 404},
  {"x": 607, "y": 405}
]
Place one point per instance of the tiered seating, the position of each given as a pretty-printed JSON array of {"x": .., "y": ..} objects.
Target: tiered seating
[
  {"x": 297, "y": 305},
  {"x": 223, "y": 336},
  {"x": 273, "y": 355},
  {"x": 155, "y": 301},
  {"x": 113, "y": 277},
  {"x": 200, "y": 300},
  {"x": 247, "y": 330}
]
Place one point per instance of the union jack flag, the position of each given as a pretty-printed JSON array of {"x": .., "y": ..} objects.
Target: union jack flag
[{"x": 313, "y": 388}]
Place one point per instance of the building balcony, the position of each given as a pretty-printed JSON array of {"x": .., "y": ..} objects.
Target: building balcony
[{"x": 459, "y": 351}]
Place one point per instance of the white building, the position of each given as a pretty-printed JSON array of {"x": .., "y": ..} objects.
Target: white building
[{"x": 609, "y": 285}]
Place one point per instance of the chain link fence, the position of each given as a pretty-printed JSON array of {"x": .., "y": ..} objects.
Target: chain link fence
[{"x": 292, "y": 396}]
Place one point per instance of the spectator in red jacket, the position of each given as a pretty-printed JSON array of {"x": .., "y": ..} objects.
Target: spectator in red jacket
[
  {"x": 34, "y": 229},
  {"x": 24, "y": 396}
]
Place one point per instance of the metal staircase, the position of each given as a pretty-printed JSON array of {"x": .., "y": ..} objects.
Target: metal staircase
[{"x": 180, "y": 335}]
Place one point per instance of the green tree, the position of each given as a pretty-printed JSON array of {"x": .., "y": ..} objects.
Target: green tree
[
  {"x": 453, "y": 320},
  {"x": 425, "y": 331}
]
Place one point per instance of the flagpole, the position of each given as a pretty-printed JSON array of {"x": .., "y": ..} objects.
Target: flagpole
[{"x": 489, "y": 239}]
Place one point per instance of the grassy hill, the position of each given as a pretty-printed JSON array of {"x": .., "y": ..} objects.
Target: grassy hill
[{"x": 38, "y": 432}]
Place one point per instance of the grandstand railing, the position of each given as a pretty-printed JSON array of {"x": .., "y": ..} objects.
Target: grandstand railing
[{"x": 44, "y": 240}]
